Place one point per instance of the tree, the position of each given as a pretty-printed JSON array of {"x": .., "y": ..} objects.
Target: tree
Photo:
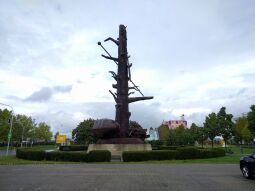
[
  {"x": 240, "y": 128},
  {"x": 23, "y": 127},
  {"x": 202, "y": 136},
  {"x": 134, "y": 125},
  {"x": 247, "y": 136},
  {"x": 180, "y": 136},
  {"x": 197, "y": 134},
  {"x": 194, "y": 132},
  {"x": 172, "y": 139},
  {"x": 43, "y": 133},
  {"x": 5, "y": 117},
  {"x": 225, "y": 124},
  {"x": 163, "y": 132},
  {"x": 83, "y": 134},
  {"x": 211, "y": 126},
  {"x": 251, "y": 119}
]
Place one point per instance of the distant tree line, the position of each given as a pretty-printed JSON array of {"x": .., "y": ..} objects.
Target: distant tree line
[
  {"x": 23, "y": 128},
  {"x": 241, "y": 130}
]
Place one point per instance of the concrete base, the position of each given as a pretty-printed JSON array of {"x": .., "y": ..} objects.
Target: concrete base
[
  {"x": 128, "y": 140},
  {"x": 117, "y": 149}
]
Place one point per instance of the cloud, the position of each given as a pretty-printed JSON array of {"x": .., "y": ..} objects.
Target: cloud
[
  {"x": 45, "y": 93},
  {"x": 193, "y": 57},
  {"x": 62, "y": 89}
]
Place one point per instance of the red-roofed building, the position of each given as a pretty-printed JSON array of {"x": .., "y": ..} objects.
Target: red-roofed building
[{"x": 172, "y": 124}]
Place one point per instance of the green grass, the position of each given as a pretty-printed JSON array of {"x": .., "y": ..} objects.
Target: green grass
[
  {"x": 44, "y": 147},
  {"x": 12, "y": 160}
]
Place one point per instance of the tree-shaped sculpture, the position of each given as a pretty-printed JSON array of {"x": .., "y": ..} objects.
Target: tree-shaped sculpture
[{"x": 123, "y": 77}]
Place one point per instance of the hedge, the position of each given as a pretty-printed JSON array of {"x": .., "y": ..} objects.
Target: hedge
[
  {"x": 92, "y": 156},
  {"x": 187, "y": 153},
  {"x": 30, "y": 154},
  {"x": 73, "y": 148},
  {"x": 67, "y": 156},
  {"x": 148, "y": 155},
  {"x": 168, "y": 147},
  {"x": 99, "y": 156},
  {"x": 179, "y": 153}
]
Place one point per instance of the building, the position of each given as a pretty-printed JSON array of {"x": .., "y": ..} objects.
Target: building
[
  {"x": 153, "y": 134},
  {"x": 173, "y": 124}
]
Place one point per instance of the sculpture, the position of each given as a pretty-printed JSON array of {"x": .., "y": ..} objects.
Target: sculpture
[{"x": 119, "y": 132}]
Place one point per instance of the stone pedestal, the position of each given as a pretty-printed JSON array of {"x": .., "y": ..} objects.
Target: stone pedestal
[
  {"x": 117, "y": 149},
  {"x": 121, "y": 141}
]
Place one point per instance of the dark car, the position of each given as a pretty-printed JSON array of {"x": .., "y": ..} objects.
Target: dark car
[{"x": 247, "y": 165}]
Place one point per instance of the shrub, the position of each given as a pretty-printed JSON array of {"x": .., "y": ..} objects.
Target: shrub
[
  {"x": 99, "y": 156},
  {"x": 148, "y": 155},
  {"x": 67, "y": 156},
  {"x": 73, "y": 148},
  {"x": 30, "y": 154},
  {"x": 216, "y": 152},
  {"x": 198, "y": 153},
  {"x": 155, "y": 147},
  {"x": 155, "y": 142},
  {"x": 187, "y": 153},
  {"x": 179, "y": 153},
  {"x": 168, "y": 147}
]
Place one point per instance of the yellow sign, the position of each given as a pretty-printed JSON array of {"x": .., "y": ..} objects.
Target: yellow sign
[
  {"x": 60, "y": 139},
  {"x": 222, "y": 143}
]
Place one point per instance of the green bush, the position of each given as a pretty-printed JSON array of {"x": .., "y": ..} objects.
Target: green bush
[
  {"x": 216, "y": 152},
  {"x": 99, "y": 156},
  {"x": 168, "y": 147},
  {"x": 155, "y": 147},
  {"x": 30, "y": 154},
  {"x": 179, "y": 153},
  {"x": 148, "y": 155},
  {"x": 187, "y": 153},
  {"x": 73, "y": 148},
  {"x": 155, "y": 142},
  {"x": 198, "y": 153},
  {"x": 67, "y": 156}
]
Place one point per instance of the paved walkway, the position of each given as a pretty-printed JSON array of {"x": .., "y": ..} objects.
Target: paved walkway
[
  {"x": 124, "y": 177},
  {"x": 10, "y": 152}
]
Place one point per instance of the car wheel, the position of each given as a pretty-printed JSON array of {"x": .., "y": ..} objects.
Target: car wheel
[{"x": 246, "y": 172}]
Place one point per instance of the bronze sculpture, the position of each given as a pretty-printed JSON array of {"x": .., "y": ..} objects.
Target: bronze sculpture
[{"x": 119, "y": 132}]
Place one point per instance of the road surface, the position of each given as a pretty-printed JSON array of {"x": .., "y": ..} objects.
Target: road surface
[{"x": 124, "y": 177}]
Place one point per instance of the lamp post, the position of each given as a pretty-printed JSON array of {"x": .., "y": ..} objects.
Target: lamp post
[{"x": 10, "y": 131}]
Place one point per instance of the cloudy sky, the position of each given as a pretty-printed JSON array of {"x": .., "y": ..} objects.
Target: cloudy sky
[{"x": 192, "y": 56}]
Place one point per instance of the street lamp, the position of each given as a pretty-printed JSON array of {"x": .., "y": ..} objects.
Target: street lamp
[{"x": 10, "y": 131}]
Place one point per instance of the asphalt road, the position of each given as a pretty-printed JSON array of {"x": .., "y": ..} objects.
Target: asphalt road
[{"x": 126, "y": 177}]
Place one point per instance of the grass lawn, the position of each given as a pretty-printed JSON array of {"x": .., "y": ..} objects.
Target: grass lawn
[
  {"x": 12, "y": 160},
  {"x": 45, "y": 147}
]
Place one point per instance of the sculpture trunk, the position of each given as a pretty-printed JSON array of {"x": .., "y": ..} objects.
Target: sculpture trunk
[
  {"x": 118, "y": 131},
  {"x": 122, "y": 109}
]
